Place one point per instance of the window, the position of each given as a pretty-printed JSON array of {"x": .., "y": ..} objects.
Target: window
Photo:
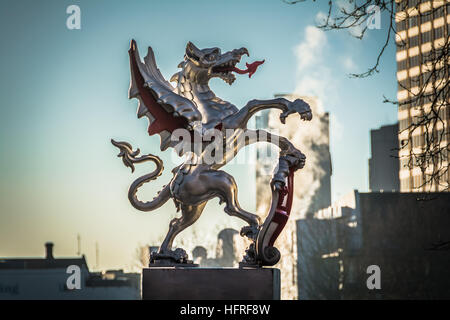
[
  {"x": 417, "y": 119},
  {"x": 438, "y": 32},
  {"x": 401, "y": 5},
  {"x": 404, "y": 163},
  {"x": 403, "y": 84},
  {"x": 417, "y": 141},
  {"x": 403, "y": 124},
  {"x": 412, "y": 21},
  {"x": 444, "y": 153},
  {"x": 401, "y": 65},
  {"x": 441, "y": 77},
  {"x": 405, "y": 184},
  {"x": 403, "y": 107},
  {"x": 439, "y": 12},
  {"x": 415, "y": 81},
  {"x": 412, "y": 3},
  {"x": 426, "y": 37},
  {"x": 401, "y": 25},
  {"x": 428, "y": 98},
  {"x": 413, "y": 61},
  {"x": 413, "y": 41},
  {"x": 426, "y": 77},
  {"x": 435, "y": 136},
  {"x": 402, "y": 43},
  {"x": 426, "y": 16},
  {"x": 417, "y": 181},
  {"x": 416, "y": 101}
]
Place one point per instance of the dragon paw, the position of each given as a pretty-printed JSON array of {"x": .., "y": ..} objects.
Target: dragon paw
[
  {"x": 295, "y": 158},
  {"x": 250, "y": 257},
  {"x": 297, "y": 106},
  {"x": 178, "y": 255},
  {"x": 291, "y": 158},
  {"x": 250, "y": 232}
]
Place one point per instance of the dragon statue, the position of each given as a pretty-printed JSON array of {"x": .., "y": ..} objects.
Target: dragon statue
[{"x": 194, "y": 109}]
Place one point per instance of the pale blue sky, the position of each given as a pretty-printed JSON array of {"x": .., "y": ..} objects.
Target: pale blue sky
[{"x": 63, "y": 95}]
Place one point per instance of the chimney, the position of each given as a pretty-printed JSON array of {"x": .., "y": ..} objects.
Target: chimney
[{"x": 49, "y": 250}]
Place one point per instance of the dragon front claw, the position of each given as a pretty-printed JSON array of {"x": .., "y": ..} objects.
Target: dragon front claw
[
  {"x": 178, "y": 256},
  {"x": 290, "y": 158},
  {"x": 250, "y": 232},
  {"x": 297, "y": 106}
]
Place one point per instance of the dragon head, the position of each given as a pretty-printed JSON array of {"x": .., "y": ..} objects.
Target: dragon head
[{"x": 201, "y": 65}]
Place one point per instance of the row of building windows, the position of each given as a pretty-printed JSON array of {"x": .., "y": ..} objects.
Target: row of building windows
[
  {"x": 413, "y": 62},
  {"x": 408, "y": 162},
  {"x": 417, "y": 182},
  {"x": 418, "y": 120},
  {"x": 425, "y": 37},
  {"x": 431, "y": 140},
  {"x": 440, "y": 109},
  {"x": 422, "y": 140},
  {"x": 423, "y": 17},
  {"x": 424, "y": 98},
  {"x": 426, "y": 77}
]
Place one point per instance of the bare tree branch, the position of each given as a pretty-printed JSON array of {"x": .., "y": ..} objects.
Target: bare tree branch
[{"x": 428, "y": 93}]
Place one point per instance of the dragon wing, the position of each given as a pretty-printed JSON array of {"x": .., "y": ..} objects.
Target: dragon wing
[{"x": 166, "y": 110}]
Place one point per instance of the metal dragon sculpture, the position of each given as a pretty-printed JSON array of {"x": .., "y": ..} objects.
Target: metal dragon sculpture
[{"x": 192, "y": 106}]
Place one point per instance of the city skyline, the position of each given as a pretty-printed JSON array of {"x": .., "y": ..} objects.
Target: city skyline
[{"x": 64, "y": 95}]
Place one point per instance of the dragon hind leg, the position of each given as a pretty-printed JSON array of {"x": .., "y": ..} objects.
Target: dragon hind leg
[
  {"x": 226, "y": 187},
  {"x": 190, "y": 214}
]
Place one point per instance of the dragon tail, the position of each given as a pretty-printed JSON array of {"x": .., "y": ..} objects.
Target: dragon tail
[{"x": 129, "y": 158}]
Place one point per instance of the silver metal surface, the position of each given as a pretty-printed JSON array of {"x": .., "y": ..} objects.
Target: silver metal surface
[{"x": 196, "y": 181}]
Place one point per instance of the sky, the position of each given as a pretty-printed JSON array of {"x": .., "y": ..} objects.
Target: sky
[{"x": 63, "y": 96}]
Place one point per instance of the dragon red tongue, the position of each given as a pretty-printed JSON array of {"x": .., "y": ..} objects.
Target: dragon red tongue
[{"x": 251, "y": 68}]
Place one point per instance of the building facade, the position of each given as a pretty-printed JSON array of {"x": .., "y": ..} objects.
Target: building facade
[
  {"x": 422, "y": 36},
  {"x": 384, "y": 164},
  {"x": 406, "y": 236}
]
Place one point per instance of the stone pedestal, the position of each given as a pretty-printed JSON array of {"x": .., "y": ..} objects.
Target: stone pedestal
[{"x": 210, "y": 284}]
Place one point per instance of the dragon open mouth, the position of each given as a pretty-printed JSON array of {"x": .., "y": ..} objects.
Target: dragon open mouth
[{"x": 229, "y": 67}]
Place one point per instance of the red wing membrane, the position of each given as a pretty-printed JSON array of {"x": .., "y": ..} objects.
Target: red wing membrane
[{"x": 164, "y": 120}]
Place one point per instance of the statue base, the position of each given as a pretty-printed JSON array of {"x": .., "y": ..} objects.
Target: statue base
[{"x": 165, "y": 283}]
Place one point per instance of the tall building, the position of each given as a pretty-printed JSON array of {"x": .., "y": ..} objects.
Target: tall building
[
  {"x": 312, "y": 184},
  {"x": 422, "y": 28},
  {"x": 384, "y": 164}
]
